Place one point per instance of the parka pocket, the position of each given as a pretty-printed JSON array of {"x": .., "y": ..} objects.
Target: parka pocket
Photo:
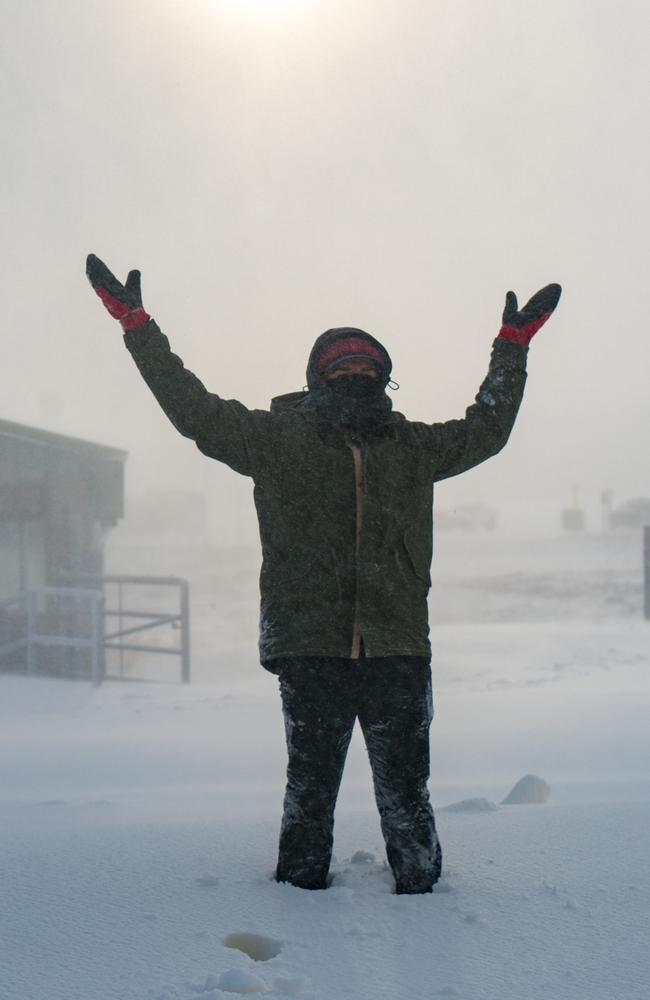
[
  {"x": 418, "y": 558},
  {"x": 286, "y": 570}
]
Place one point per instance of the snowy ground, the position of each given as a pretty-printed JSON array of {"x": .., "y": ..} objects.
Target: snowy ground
[{"x": 139, "y": 821}]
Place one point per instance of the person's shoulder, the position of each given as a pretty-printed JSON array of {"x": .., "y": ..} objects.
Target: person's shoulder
[
  {"x": 412, "y": 433},
  {"x": 402, "y": 426},
  {"x": 288, "y": 402}
]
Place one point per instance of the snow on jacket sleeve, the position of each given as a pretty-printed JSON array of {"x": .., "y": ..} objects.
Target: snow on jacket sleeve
[
  {"x": 458, "y": 445},
  {"x": 222, "y": 429}
]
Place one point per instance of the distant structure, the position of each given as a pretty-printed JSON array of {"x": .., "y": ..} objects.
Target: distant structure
[
  {"x": 631, "y": 515},
  {"x": 58, "y": 497},
  {"x": 573, "y": 517},
  {"x": 606, "y": 503}
]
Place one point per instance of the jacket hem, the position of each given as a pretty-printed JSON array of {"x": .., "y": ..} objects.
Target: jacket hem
[{"x": 267, "y": 659}]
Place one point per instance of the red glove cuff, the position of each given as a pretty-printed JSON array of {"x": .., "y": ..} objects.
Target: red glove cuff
[
  {"x": 131, "y": 319},
  {"x": 134, "y": 320},
  {"x": 526, "y": 333}
]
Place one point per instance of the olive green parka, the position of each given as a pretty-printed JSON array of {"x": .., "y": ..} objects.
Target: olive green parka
[{"x": 345, "y": 525}]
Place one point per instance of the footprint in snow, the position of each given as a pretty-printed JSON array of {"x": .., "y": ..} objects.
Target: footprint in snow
[{"x": 259, "y": 948}]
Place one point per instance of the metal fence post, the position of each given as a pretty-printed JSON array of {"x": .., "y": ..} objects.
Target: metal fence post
[
  {"x": 31, "y": 628},
  {"x": 646, "y": 569},
  {"x": 97, "y": 622},
  {"x": 101, "y": 632},
  {"x": 185, "y": 631},
  {"x": 103, "y": 638}
]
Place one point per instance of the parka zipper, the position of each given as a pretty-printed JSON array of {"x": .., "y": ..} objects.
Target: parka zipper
[{"x": 358, "y": 490}]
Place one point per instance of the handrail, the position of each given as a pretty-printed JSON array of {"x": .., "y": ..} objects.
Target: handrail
[
  {"x": 99, "y": 639},
  {"x": 33, "y": 637},
  {"x": 153, "y": 619}
]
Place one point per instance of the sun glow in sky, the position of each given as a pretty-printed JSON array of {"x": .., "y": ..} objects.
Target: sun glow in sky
[
  {"x": 277, "y": 167},
  {"x": 265, "y": 8}
]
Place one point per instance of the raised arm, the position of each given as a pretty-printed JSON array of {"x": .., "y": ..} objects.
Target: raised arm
[
  {"x": 222, "y": 429},
  {"x": 458, "y": 445}
]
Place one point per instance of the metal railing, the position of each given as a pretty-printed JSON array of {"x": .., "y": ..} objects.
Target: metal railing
[
  {"x": 76, "y": 618},
  {"x": 646, "y": 570},
  {"x": 178, "y": 619},
  {"x": 35, "y": 623},
  {"x": 150, "y": 619}
]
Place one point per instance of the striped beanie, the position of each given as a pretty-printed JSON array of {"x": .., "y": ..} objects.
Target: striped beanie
[{"x": 341, "y": 344}]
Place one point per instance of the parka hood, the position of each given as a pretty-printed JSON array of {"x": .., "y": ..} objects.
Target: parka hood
[{"x": 324, "y": 402}]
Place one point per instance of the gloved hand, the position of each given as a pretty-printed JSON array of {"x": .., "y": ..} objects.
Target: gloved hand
[
  {"x": 124, "y": 302},
  {"x": 521, "y": 325}
]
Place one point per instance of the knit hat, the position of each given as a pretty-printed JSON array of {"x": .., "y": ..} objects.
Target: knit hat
[
  {"x": 344, "y": 350},
  {"x": 341, "y": 344}
]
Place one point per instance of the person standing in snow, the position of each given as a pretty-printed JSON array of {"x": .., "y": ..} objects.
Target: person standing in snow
[{"x": 344, "y": 495}]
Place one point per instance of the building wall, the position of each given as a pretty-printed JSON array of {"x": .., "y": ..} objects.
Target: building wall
[
  {"x": 22, "y": 555},
  {"x": 58, "y": 498}
]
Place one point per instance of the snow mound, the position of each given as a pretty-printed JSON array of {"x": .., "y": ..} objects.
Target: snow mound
[
  {"x": 209, "y": 880},
  {"x": 291, "y": 987},
  {"x": 471, "y": 806},
  {"x": 240, "y": 981},
  {"x": 257, "y": 946},
  {"x": 363, "y": 858},
  {"x": 529, "y": 790},
  {"x": 361, "y": 872}
]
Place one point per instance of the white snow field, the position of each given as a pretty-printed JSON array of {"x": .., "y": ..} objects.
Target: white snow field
[{"x": 139, "y": 820}]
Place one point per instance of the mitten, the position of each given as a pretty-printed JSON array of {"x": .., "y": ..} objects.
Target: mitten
[
  {"x": 124, "y": 302},
  {"x": 521, "y": 325}
]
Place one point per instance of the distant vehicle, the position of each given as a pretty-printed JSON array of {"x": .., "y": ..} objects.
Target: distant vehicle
[
  {"x": 631, "y": 514},
  {"x": 467, "y": 517}
]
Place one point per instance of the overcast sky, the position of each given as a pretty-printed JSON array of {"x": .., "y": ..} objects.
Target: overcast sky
[{"x": 278, "y": 168}]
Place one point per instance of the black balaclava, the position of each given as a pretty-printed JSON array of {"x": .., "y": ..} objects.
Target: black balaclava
[{"x": 355, "y": 401}]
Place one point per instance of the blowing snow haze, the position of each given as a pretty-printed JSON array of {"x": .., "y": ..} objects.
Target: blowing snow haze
[{"x": 275, "y": 170}]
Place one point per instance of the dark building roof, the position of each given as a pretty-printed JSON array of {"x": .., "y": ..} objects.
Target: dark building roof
[
  {"x": 39, "y": 469},
  {"x": 49, "y": 439}
]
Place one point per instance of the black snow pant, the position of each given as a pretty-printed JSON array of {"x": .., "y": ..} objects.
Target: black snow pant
[{"x": 321, "y": 699}]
